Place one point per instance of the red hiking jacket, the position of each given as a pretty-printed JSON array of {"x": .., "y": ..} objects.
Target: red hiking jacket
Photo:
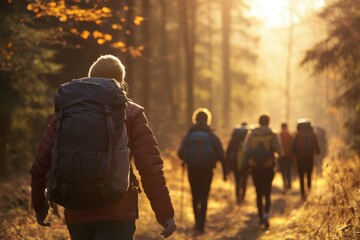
[
  {"x": 143, "y": 147},
  {"x": 286, "y": 141}
]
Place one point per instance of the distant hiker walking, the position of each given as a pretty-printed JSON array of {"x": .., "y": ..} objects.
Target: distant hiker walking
[
  {"x": 305, "y": 146},
  {"x": 83, "y": 159},
  {"x": 200, "y": 150},
  {"x": 235, "y": 160},
  {"x": 323, "y": 145},
  {"x": 260, "y": 145},
  {"x": 286, "y": 161}
]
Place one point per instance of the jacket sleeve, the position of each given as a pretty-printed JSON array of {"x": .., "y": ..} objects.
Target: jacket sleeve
[
  {"x": 144, "y": 148},
  {"x": 182, "y": 153},
  {"x": 277, "y": 145},
  {"x": 219, "y": 153},
  {"x": 41, "y": 166},
  {"x": 316, "y": 142}
]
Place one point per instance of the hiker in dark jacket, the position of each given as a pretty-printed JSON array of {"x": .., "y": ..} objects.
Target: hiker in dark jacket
[
  {"x": 234, "y": 159},
  {"x": 304, "y": 147},
  {"x": 200, "y": 150},
  {"x": 115, "y": 220},
  {"x": 260, "y": 145}
]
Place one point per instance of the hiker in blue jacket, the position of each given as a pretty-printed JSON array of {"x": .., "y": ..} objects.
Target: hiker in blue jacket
[{"x": 200, "y": 150}]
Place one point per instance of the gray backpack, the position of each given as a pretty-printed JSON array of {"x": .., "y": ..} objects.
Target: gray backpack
[{"x": 90, "y": 156}]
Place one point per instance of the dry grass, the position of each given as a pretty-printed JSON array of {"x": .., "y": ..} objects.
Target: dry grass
[
  {"x": 332, "y": 209},
  {"x": 330, "y": 212}
]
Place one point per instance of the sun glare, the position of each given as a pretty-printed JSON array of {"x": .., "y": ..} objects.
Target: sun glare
[{"x": 276, "y": 13}]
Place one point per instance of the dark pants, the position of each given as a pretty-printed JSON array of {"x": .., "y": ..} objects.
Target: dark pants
[
  {"x": 285, "y": 164},
  {"x": 109, "y": 230},
  {"x": 305, "y": 165},
  {"x": 200, "y": 181},
  {"x": 240, "y": 184},
  {"x": 263, "y": 178}
]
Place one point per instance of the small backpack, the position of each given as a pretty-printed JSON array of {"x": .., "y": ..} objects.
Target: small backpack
[
  {"x": 240, "y": 157},
  {"x": 200, "y": 149},
  {"x": 305, "y": 141},
  {"x": 90, "y": 156},
  {"x": 236, "y": 151},
  {"x": 261, "y": 152},
  {"x": 305, "y": 144}
]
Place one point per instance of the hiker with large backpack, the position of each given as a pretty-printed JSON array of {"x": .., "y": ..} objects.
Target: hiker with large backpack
[
  {"x": 83, "y": 159},
  {"x": 304, "y": 147},
  {"x": 286, "y": 161},
  {"x": 260, "y": 146},
  {"x": 200, "y": 149},
  {"x": 235, "y": 160}
]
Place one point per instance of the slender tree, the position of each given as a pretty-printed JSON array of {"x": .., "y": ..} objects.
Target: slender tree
[
  {"x": 188, "y": 10},
  {"x": 288, "y": 62},
  {"x": 146, "y": 81},
  {"x": 226, "y": 27},
  {"x": 129, "y": 42},
  {"x": 164, "y": 49}
]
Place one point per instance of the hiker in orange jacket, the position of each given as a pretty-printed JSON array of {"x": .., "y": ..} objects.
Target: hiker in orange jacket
[{"x": 286, "y": 161}]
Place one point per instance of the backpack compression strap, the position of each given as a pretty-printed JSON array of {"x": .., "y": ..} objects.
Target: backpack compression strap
[
  {"x": 51, "y": 183},
  {"x": 111, "y": 133}
]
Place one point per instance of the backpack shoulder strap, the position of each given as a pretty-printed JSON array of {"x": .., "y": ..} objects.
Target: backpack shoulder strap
[{"x": 51, "y": 183}]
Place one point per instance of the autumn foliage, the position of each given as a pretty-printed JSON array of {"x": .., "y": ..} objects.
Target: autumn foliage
[{"x": 81, "y": 19}]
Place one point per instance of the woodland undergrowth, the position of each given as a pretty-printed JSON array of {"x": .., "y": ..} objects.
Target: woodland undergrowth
[{"x": 331, "y": 211}]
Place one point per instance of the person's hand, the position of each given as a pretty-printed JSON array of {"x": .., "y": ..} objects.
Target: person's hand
[
  {"x": 169, "y": 227},
  {"x": 41, "y": 215}
]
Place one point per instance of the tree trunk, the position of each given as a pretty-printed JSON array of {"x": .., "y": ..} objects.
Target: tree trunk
[
  {"x": 146, "y": 81},
  {"x": 188, "y": 16},
  {"x": 226, "y": 23},
  {"x": 4, "y": 132},
  {"x": 288, "y": 64},
  {"x": 7, "y": 99},
  {"x": 210, "y": 55},
  {"x": 129, "y": 41},
  {"x": 165, "y": 62}
]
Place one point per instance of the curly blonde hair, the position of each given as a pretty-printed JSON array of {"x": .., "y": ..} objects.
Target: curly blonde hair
[{"x": 202, "y": 114}]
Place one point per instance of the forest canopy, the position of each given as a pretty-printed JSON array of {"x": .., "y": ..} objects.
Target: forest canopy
[
  {"x": 338, "y": 56},
  {"x": 179, "y": 55}
]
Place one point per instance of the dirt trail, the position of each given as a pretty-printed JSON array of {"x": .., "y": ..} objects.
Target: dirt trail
[{"x": 226, "y": 219}]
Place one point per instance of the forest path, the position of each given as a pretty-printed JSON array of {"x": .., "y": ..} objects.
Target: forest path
[{"x": 226, "y": 219}]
